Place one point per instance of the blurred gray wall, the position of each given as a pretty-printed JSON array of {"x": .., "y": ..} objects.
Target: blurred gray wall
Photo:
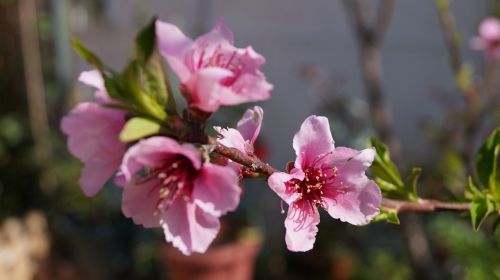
[{"x": 294, "y": 34}]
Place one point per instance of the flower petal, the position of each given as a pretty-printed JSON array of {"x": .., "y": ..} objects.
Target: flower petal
[
  {"x": 92, "y": 78},
  {"x": 357, "y": 203},
  {"x": 153, "y": 151},
  {"x": 97, "y": 172},
  {"x": 220, "y": 33},
  {"x": 250, "y": 124},
  {"x": 188, "y": 227},
  {"x": 490, "y": 29},
  {"x": 173, "y": 45},
  {"x": 350, "y": 161},
  {"x": 216, "y": 189},
  {"x": 205, "y": 88},
  {"x": 231, "y": 138},
  {"x": 312, "y": 140},
  {"x": 277, "y": 182},
  {"x": 140, "y": 202},
  {"x": 92, "y": 132},
  {"x": 301, "y": 228}
]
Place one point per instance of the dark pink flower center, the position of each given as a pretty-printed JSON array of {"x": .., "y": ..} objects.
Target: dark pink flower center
[
  {"x": 174, "y": 181},
  {"x": 222, "y": 58},
  {"x": 311, "y": 190}
]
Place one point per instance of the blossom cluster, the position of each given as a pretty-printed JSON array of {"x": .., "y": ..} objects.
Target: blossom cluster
[{"x": 174, "y": 182}]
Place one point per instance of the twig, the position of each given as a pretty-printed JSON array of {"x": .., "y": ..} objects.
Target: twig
[{"x": 369, "y": 37}]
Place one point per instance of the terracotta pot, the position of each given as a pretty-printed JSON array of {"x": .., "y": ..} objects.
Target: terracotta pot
[{"x": 234, "y": 260}]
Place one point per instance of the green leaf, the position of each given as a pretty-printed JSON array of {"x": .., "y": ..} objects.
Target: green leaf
[
  {"x": 480, "y": 208},
  {"x": 411, "y": 181},
  {"x": 386, "y": 186},
  {"x": 387, "y": 215},
  {"x": 86, "y": 54},
  {"x": 486, "y": 163},
  {"x": 471, "y": 190},
  {"x": 145, "y": 42},
  {"x": 383, "y": 167},
  {"x": 145, "y": 103},
  {"x": 137, "y": 128},
  {"x": 153, "y": 77}
]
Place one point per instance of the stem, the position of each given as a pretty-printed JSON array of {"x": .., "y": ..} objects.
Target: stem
[{"x": 256, "y": 165}]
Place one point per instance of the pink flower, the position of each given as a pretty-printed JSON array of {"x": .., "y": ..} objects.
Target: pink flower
[
  {"x": 212, "y": 71},
  {"x": 246, "y": 132},
  {"x": 489, "y": 38},
  {"x": 169, "y": 186},
  {"x": 92, "y": 132},
  {"x": 327, "y": 177}
]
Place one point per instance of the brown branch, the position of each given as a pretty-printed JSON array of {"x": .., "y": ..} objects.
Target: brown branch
[
  {"x": 369, "y": 37},
  {"x": 256, "y": 165},
  {"x": 424, "y": 205},
  {"x": 450, "y": 34}
]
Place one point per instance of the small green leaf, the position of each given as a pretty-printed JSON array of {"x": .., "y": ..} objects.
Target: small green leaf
[
  {"x": 486, "y": 163},
  {"x": 153, "y": 77},
  {"x": 479, "y": 210},
  {"x": 471, "y": 190},
  {"x": 383, "y": 167},
  {"x": 386, "y": 186},
  {"x": 137, "y": 128},
  {"x": 387, "y": 215},
  {"x": 86, "y": 54},
  {"x": 411, "y": 181},
  {"x": 145, "y": 42}
]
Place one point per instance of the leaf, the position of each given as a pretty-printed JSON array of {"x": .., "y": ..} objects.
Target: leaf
[
  {"x": 486, "y": 163},
  {"x": 138, "y": 128},
  {"x": 145, "y": 42},
  {"x": 383, "y": 167},
  {"x": 145, "y": 103},
  {"x": 480, "y": 208},
  {"x": 153, "y": 78},
  {"x": 471, "y": 190},
  {"x": 86, "y": 54},
  {"x": 387, "y": 215},
  {"x": 411, "y": 181}
]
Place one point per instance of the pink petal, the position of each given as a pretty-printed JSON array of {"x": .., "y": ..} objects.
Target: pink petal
[
  {"x": 357, "y": 203},
  {"x": 216, "y": 189},
  {"x": 490, "y": 29},
  {"x": 173, "y": 45},
  {"x": 349, "y": 161},
  {"x": 313, "y": 139},
  {"x": 97, "y": 172},
  {"x": 188, "y": 227},
  {"x": 92, "y": 132},
  {"x": 139, "y": 202},
  {"x": 153, "y": 151},
  {"x": 92, "y": 78},
  {"x": 478, "y": 43},
  {"x": 301, "y": 229},
  {"x": 250, "y": 124},
  {"x": 231, "y": 138},
  {"x": 220, "y": 33},
  {"x": 277, "y": 183},
  {"x": 205, "y": 88}
]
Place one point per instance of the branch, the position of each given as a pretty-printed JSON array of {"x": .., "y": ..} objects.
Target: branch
[
  {"x": 256, "y": 165},
  {"x": 424, "y": 205}
]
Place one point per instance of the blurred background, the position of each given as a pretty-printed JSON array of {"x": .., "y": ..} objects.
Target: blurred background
[{"x": 317, "y": 57}]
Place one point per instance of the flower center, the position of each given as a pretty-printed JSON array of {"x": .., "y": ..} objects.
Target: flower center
[
  {"x": 174, "y": 180},
  {"x": 219, "y": 57},
  {"x": 311, "y": 189}
]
